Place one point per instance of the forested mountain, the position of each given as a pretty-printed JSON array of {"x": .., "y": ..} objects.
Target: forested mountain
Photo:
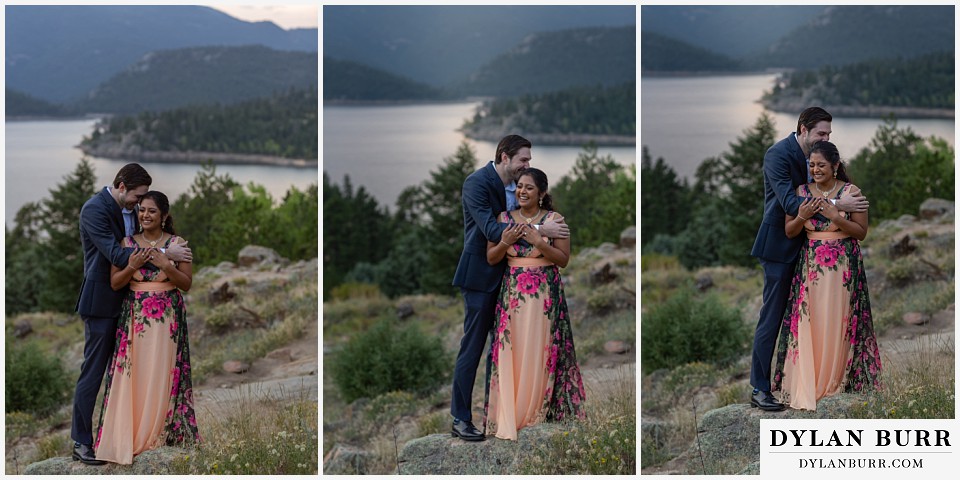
[
  {"x": 667, "y": 55},
  {"x": 438, "y": 44},
  {"x": 60, "y": 52},
  {"x": 731, "y": 30},
  {"x": 202, "y": 75},
  {"x": 550, "y": 61},
  {"x": 925, "y": 82},
  {"x": 350, "y": 81},
  {"x": 20, "y": 104},
  {"x": 282, "y": 125},
  {"x": 606, "y": 114},
  {"x": 848, "y": 34}
]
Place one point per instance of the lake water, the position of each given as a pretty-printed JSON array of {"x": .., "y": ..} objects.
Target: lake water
[
  {"x": 686, "y": 120},
  {"x": 388, "y": 148},
  {"x": 38, "y": 154}
]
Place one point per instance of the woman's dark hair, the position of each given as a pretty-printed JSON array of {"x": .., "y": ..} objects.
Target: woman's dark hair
[
  {"x": 830, "y": 152},
  {"x": 811, "y": 117},
  {"x": 164, "y": 205},
  {"x": 510, "y": 145},
  {"x": 540, "y": 180}
]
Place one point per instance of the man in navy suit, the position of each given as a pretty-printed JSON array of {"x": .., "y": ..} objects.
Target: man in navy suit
[
  {"x": 105, "y": 219},
  {"x": 483, "y": 199},
  {"x": 784, "y": 169}
]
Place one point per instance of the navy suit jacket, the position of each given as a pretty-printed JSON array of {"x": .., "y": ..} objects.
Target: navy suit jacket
[
  {"x": 483, "y": 198},
  {"x": 784, "y": 169},
  {"x": 101, "y": 229}
]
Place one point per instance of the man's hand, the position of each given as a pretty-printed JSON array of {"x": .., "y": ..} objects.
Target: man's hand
[
  {"x": 854, "y": 204},
  {"x": 555, "y": 228},
  {"x": 179, "y": 252}
]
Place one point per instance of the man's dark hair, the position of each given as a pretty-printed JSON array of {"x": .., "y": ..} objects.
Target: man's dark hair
[
  {"x": 811, "y": 117},
  {"x": 509, "y": 145},
  {"x": 132, "y": 175}
]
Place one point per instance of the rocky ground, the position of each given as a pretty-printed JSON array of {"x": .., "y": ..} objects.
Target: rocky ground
[{"x": 290, "y": 371}]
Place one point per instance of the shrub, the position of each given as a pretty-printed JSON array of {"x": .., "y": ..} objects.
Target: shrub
[
  {"x": 350, "y": 290},
  {"x": 685, "y": 329},
  {"x": 386, "y": 358},
  {"x": 35, "y": 382}
]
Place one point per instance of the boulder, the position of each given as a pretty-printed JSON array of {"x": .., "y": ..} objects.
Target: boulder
[
  {"x": 22, "y": 328},
  {"x": 152, "y": 462},
  {"x": 255, "y": 255},
  {"x": 346, "y": 460},
  {"x": 602, "y": 275},
  {"x": 616, "y": 346},
  {"x": 441, "y": 454},
  {"x": 935, "y": 207},
  {"x": 235, "y": 366},
  {"x": 628, "y": 238},
  {"x": 405, "y": 310},
  {"x": 914, "y": 318}
]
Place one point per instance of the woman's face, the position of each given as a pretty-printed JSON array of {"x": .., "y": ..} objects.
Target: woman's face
[
  {"x": 820, "y": 169},
  {"x": 528, "y": 195},
  {"x": 150, "y": 216}
]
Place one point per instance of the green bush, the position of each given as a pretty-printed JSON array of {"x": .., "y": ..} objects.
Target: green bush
[
  {"x": 386, "y": 358},
  {"x": 35, "y": 381},
  {"x": 686, "y": 329}
]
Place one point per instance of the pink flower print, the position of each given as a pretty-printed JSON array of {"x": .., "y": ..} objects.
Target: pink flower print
[
  {"x": 192, "y": 421},
  {"x": 503, "y": 321},
  {"x": 528, "y": 282},
  {"x": 153, "y": 307},
  {"x": 794, "y": 323},
  {"x": 495, "y": 354},
  {"x": 547, "y": 303},
  {"x": 826, "y": 256},
  {"x": 122, "y": 349},
  {"x": 847, "y": 275},
  {"x": 138, "y": 327},
  {"x": 853, "y": 329},
  {"x": 514, "y": 303},
  {"x": 576, "y": 398},
  {"x": 552, "y": 361},
  {"x": 173, "y": 328},
  {"x": 813, "y": 276},
  {"x": 176, "y": 381}
]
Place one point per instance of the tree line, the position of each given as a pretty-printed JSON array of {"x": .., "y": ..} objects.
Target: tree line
[
  {"x": 415, "y": 248},
  {"x": 284, "y": 125},
  {"x": 926, "y": 82},
  {"x": 714, "y": 220},
  {"x": 217, "y": 216},
  {"x": 594, "y": 110}
]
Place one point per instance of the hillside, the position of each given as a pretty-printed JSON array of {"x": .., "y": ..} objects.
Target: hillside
[
  {"x": 280, "y": 129},
  {"x": 916, "y": 87},
  {"x": 379, "y": 434},
  {"x": 696, "y": 416},
  {"x": 202, "y": 75},
  {"x": 345, "y": 81},
  {"x": 665, "y": 55},
  {"x": 438, "y": 44},
  {"x": 253, "y": 344},
  {"x": 867, "y": 32},
  {"x": 22, "y": 105},
  {"x": 731, "y": 30},
  {"x": 549, "y": 61},
  {"x": 59, "y": 53}
]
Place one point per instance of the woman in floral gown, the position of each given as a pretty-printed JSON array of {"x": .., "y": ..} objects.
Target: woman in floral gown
[
  {"x": 827, "y": 343},
  {"x": 149, "y": 397},
  {"x": 534, "y": 375}
]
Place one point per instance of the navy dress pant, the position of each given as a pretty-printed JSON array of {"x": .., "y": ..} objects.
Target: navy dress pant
[
  {"x": 99, "y": 335},
  {"x": 776, "y": 291},
  {"x": 478, "y": 310}
]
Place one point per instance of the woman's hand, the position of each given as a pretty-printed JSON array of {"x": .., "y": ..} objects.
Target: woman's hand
[
  {"x": 809, "y": 207},
  {"x": 532, "y": 236},
  {"x": 161, "y": 260},
  {"x": 138, "y": 258},
  {"x": 829, "y": 210},
  {"x": 511, "y": 234}
]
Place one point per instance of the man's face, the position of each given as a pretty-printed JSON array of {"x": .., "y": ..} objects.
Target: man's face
[
  {"x": 129, "y": 198},
  {"x": 518, "y": 163},
  {"x": 820, "y": 131}
]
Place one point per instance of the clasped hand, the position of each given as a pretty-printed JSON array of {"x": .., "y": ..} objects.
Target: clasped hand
[
  {"x": 514, "y": 233},
  {"x": 141, "y": 256},
  {"x": 814, "y": 205}
]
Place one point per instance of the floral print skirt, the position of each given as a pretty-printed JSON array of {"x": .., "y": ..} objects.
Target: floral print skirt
[
  {"x": 827, "y": 344},
  {"x": 148, "y": 400},
  {"x": 534, "y": 374}
]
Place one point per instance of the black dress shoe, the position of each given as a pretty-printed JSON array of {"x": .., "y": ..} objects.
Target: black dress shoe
[
  {"x": 765, "y": 401},
  {"x": 466, "y": 431},
  {"x": 84, "y": 453}
]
